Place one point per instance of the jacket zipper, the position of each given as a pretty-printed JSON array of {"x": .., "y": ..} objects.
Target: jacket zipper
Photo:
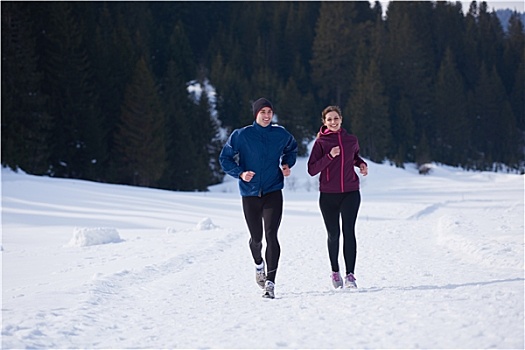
[{"x": 342, "y": 162}]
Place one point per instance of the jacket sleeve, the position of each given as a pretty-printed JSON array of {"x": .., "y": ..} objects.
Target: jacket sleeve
[
  {"x": 290, "y": 152},
  {"x": 357, "y": 159},
  {"x": 317, "y": 160},
  {"x": 227, "y": 157}
]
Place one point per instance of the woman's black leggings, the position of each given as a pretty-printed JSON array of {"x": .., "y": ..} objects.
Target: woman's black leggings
[
  {"x": 346, "y": 206},
  {"x": 267, "y": 209}
]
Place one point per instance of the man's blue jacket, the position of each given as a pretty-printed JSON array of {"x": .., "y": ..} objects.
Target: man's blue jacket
[{"x": 259, "y": 149}]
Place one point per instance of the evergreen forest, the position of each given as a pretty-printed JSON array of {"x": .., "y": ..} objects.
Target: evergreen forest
[{"x": 99, "y": 90}]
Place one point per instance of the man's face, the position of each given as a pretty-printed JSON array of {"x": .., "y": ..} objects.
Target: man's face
[{"x": 264, "y": 117}]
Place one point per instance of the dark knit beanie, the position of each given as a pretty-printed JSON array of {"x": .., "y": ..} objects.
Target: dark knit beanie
[{"x": 260, "y": 104}]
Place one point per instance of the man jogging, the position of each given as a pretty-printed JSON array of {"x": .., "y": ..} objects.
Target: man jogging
[{"x": 259, "y": 156}]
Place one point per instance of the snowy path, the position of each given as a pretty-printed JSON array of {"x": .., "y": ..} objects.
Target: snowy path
[{"x": 440, "y": 265}]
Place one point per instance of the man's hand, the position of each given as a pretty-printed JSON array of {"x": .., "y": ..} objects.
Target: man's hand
[
  {"x": 247, "y": 176},
  {"x": 286, "y": 170}
]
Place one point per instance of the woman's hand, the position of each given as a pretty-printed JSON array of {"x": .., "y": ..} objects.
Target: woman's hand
[
  {"x": 363, "y": 169},
  {"x": 334, "y": 152}
]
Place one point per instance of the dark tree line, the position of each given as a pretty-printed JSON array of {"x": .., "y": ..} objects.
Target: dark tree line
[{"x": 99, "y": 90}]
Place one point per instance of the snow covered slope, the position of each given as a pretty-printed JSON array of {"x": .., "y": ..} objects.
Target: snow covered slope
[{"x": 89, "y": 265}]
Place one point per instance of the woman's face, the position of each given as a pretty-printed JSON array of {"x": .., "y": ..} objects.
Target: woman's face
[{"x": 333, "y": 121}]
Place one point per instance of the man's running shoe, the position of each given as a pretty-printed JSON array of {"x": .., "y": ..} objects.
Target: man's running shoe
[
  {"x": 269, "y": 287},
  {"x": 260, "y": 276},
  {"x": 350, "y": 281},
  {"x": 337, "y": 281}
]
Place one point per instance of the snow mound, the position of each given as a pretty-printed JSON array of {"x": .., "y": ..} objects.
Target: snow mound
[
  {"x": 205, "y": 224},
  {"x": 87, "y": 236},
  {"x": 170, "y": 230}
]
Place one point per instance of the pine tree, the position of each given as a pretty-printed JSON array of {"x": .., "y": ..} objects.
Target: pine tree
[
  {"x": 517, "y": 96},
  {"x": 368, "y": 112},
  {"x": 422, "y": 151},
  {"x": 116, "y": 58},
  {"x": 217, "y": 140},
  {"x": 505, "y": 133},
  {"x": 77, "y": 133},
  {"x": 179, "y": 110},
  {"x": 448, "y": 30},
  {"x": 409, "y": 62},
  {"x": 494, "y": 128},
  {"x": 514, "y": 68},
  {"x": 204, "y": 132},
  {"x": 181, "y": 53},
  {"x": 491, "y": 34},
  {"x": 297, "y": 40},
  {"x": 109, "y": 80},
  {"x": 333, "y": 50},
  {"x": 294, "y": 112},
  {"x": 233, "y": 93},
  {"x": 403, "y": 131},
  {"x": 377, "y": 10},
  {"x": 141, "y": 139},
  {"x": 181, "y": 151},
  {"x": 472, "y": 57},
  {"x": 125, "y": 48},
  {"x": 25, "y": 123},
  {"x": 66, "y": 68},
  {"x": 451, "y": 123}
]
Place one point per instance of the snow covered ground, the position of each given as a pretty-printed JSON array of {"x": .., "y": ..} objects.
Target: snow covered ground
[{"x": 89, "y": 265}]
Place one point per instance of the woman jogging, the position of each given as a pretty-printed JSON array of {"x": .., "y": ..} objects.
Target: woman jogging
[
  {"x": 259, "y": 156},
  {"x": 335, "y": 154}
]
